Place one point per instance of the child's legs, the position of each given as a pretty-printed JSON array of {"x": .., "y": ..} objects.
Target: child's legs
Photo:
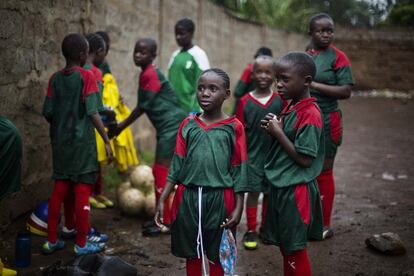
[
  {"x": 59, "y": 194},
  {"x": 296, "y": 263},
  {"x": 326, "y": 186},
  {"x": 251, "y": 210},
  {"x": 97, "y": 190},
  {"x": 69, "y": 209},
  {"x": 216, "y": 269},
  {"x": 160, "y": 172},
  {"x": 82, "y": 208}
]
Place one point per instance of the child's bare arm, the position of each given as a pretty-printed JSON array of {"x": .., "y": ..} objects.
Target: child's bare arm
[
  {"x": 159, "y": 212},
  {"x": 97, "y": 122},
  {"x": 334, "y": 91},
  {"x": 274, "y": 127},
  {"x": 236, "y": 215},
  {"x": 125, "y": 123}
]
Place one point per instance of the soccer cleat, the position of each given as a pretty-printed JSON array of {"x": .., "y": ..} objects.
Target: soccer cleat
[
  {"x": 89, "y": 248},
  {"x": 96, "y": 204},
  {"x": 327, "y": 233},
  {"x": 96, "y": 237},
  {"x": 49, "y": 248},
  {"x": 250, "y": 240},
  {"x": 106, "y": 201}
]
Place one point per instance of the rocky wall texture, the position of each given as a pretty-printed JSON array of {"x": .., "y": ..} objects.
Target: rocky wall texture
[{"x": 31, "y": 32}]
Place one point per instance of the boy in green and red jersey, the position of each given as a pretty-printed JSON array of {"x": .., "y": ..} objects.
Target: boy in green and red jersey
[
  {"x": 250, "y": 111},
  {"x": 209, "y": 166},
  {"x": 293, "y": 162},
  {"x": 71, "y": 107},
  {"x": 186, "y": 65},
  {"x": 246, "y": 83},
  {"x": 158, "y": 100},
  {"x": 333, "y": 82}
]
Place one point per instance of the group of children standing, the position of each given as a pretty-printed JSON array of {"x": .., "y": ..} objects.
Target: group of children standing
[{"x": 275, "y": 145}]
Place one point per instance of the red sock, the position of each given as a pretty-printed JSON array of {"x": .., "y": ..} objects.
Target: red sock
[
  {"x": 59, "y": 194},
  {"x": 297, "y": 264},
  {"x": 327, "y": 189},
  {"x": 160, "y": 173},
  {"x": 82, "y": 208},
  {"x": 193, "y": 267},
  {"x": 69, "y": 210},
  {"x": 264, "y": 211},
  {"x": 216, "y": 269},
  {"x": 251, "y": 217}
]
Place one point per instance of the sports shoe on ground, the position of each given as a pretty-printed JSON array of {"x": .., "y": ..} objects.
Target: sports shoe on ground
[
  {"x": 96, "y": 237},
  {"x": 96, "y": 204},
  {"x": 327, "y": 233},
  {"x": 89, "y": 248},
  {"x": 48, "y": 247},
  {"x": 106, "y": 201},
  {"x": 250, "y": 240}
]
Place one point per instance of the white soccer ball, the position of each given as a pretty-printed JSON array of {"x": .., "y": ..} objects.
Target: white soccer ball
[
  {"x": 132, "y": 201},
  {"x": 122, "y": 188},
  {"x": 142, "y": 179}
]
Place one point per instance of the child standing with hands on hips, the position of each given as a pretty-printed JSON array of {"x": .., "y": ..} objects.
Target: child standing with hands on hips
[
  {"x": 209, "y": 167},
  {"x": 293, "y": 162}
]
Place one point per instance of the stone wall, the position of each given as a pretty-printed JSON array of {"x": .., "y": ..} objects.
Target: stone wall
[{"x": 31, "y": 32}]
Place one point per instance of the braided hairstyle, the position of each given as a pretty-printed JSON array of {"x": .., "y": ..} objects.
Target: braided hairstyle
[
  {"x": 72, "y": 45},
  {"x": 96, "y": 43},
  {"x": 223, "y": 75},
  {"x": 316, "y": 17}
]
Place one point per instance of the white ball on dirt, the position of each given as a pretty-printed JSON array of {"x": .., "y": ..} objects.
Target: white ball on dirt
[
  {"x": 122, "y": 188},
  {"x": 143, "y": 179},
  {"x": 150, "y": 205},
  {"x": 132, "y": 201}
]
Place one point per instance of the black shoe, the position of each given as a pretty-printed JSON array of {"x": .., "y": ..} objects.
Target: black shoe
[
  {"x": 151, "y": 231},
  {"x": 149, "y": 223},
  {"x": 250, "y": 240}
]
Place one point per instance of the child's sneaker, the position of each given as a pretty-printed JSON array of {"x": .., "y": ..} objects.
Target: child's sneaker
[
  {"x": 106, "y": 201},
  {"x": 96, "y": 204},
  {"x": 96, "y": 237},
  {"x": 49, "y": 248},
  {"x": 68, "y": 234},
  {"x": 327, "y": 233},
  {"x": 89, "y": 248},
  {"x": 250, "y": 240}
]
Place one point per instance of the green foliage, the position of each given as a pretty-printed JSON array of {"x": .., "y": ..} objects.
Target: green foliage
[
  {"x": 294, "y": 14},
  {"x": 110, "y": 178},
  {"x": 402, "y": 14}
]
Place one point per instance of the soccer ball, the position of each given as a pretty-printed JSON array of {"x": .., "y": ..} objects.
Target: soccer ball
[
  {"x": 131, "y": 201},
  {"x": 37, "y": 223},
  {"x": 123, "y": 187},
  {"x": 142, "y": 179},
  {"x": 150, "y": 205}
]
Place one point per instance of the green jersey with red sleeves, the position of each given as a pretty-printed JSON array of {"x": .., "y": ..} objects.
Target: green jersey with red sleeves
[
  {"x": 245, "y": 83},
  {"x": 72, "y": 96},
  {"x": 332, "y": 68},
  {"x": 184, "y": 69},
  {"x": 302, "y": 124},
  {"x": 97, "y": 74},
  {"x": 210, "y": 155},
  {"x": 250, "y": 112},
  {"x": 158, "y": 100}
]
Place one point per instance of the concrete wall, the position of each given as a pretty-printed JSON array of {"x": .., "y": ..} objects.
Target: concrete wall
[{"x": 31, "y": 33}]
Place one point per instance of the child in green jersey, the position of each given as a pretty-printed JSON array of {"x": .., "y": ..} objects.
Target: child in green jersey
[
  {"x": 293, "y": 162},
  {"x": 251, "y": 109},
  {"x": 209, "y": 167},
  {"x": 186, "y": 65},
  {"x": 333, "y": 82},
  {"x": 71, "y": 107},
  {"x": 157, "y": 99}
]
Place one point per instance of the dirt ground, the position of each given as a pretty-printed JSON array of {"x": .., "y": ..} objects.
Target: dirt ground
[{"x": 378, "y": 143}]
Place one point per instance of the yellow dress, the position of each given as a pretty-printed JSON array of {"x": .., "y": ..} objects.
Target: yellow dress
[{"x": 123, "y": 145}]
